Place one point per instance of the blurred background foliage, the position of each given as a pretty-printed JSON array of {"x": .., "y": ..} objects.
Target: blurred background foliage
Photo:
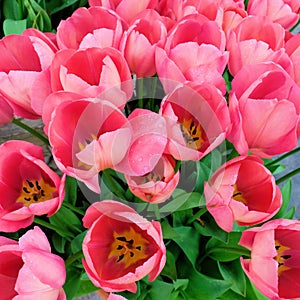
[{"x": 45, "y": 15}]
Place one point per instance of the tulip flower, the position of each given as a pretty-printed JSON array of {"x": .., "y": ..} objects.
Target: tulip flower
[
  {"x": 197, "y": 120},
  {"x": 127, "y": 9},
  {"x": 97, "y": 137},
  {"x": 28, "y": 269},
  {"x": 93, "y": 72},
  {"x": 24, "y": 72},
  {"x": 158, "y": 185},
  {"x": 6, "y": 112},
  {"x": 274, "y": 263},
  {"x": 284, "y": 12},
  {"x": 90, "y": 27},
  {"x": 121, "y": 247},
  {"x": 30, "y": 187},
  {"x": 234, "y": 194},
  {"x": 261, "y": 94},
  {"x": 292, "y": 48}
]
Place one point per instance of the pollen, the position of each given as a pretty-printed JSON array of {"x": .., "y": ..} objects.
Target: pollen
[
  {"x": 281, "y": 257},
  {"x": 128, "y": 248},
  {"x": 35, "y": 191}
]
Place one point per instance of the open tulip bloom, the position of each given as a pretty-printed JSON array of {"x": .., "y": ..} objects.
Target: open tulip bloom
[{"x": 150, "y": 162}]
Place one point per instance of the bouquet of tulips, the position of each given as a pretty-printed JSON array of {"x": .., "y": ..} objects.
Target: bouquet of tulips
[{"x": 165, "y": 122}]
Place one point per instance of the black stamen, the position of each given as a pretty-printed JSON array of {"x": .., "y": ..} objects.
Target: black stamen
[
  {"x": 194, "y": 131},
  {"x": 192, "y": 125},
  {"x": 43, "y": 193},
  {"x": 236, "y": 194},
  {"x": 26, "y": 190},
  {"x": 277, "y": 247},
  {"x": 138, "y": 248},
  {"x": 119, "y": 247},
  {"x": 286, "y": 256},
  {"x": 30, "y": 183},
  {"x": 131, "y": 254},
  {"x": 122, "y": 238},
  {"x": 195, "y": 139},
  {"x": 130, "y": 242},
  {"x": 35, "y": 197},
  {"x": 120, "y": 257},
  {"x": 27, "y": 199},
  {"x": 37, "y": 185}
]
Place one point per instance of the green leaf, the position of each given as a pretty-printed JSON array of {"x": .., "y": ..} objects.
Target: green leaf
[
  {"x": 59, "y": 243},
  {"x": 160, "y": 290},
  {"x": 226, "y": 251},
  {"x": 233, "y": 272},
  {"x": 71, "y": 190},
  {"x": 14, "y": 26},
  {"x": 204, "y": 287},
  {"x": 188, "y": 240},
  {"x": 290, "y": 214},
  {"x": 54, "y": 8},
  {"x": 169, "y": 269},
  {"x": 183, "y": 202},
  {"x": 72, "y": 283},
  {"x": 253, "y": 293},
  {"x": 12, "y": 10},
  {"x": 85, "y": 287},
  {"x": 230, "y": 294},
  {"x": 76, "y": 244},
  {"x": 286, "y": 192}
]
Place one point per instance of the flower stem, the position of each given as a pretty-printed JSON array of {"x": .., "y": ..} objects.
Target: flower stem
[
  {"x": 73, "y": 208},
  {"x": 31, "y": 130},
  {"x": 197, "y": 215},
  {"x": 73, "y": 258},
  {"x": 282, "y": 157},
  {"x": 287, "y": 176},
  {"x": 140, "y": 92}
]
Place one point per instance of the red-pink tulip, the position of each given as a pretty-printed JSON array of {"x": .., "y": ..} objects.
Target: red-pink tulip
[
  {"x": 158, "y": 185},
  {"x": 97, "y": 137},
  {"x": 6, "y": 112},
  {"x": 29, "y": 185},
  {"x": 93, "y": 72},
  {"x": 90, "y": 27},
  {"x": 284, "y": 12},
  {"x": 28, "y": 269},
  {"x": 261, "y": 95},
  {"x": 292, "y": 48},
  {"x": 127, "y": 9},
  {"x": 24, "y": 71},
  {"x": 140, "y": 41},
  {"x": 274, "y": 263},
  {"x": 206, "y": 60},
  {"x": 197, "y": 120},
  {"x": 121, "y": 247},
  {"x": 234, "y": 194}
]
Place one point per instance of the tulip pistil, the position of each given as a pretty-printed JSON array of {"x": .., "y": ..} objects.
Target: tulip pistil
[
  {"x": 34, "y": 191},
  {"x": 192, "y": 133},
  {"x": 281, "y": 257},
  {"x": 128, "y": 247}
]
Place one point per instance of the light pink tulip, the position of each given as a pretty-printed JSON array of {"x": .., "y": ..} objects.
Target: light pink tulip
[
  {"x": 284, "y": 12},
  {"x": 261, "y": 95},
  {"x": 158, "y": 185},
  {"x": 115, "y": 297},
  {"x": 232, "y": 192},
  {"x": 93, "y": 72},
  {"x": 127, "y": 9},
  {"x": 24, "y": 71},
  {"x": 90, "y": 27},
  {"x": 29, "y": 185},
  {"x": 206, "y": 60},
  {"x": 97, "y": 137},
  {"x": 148, "y": 143},
  {"x": 197, "y": 120},
  {"x": 6, "y": 112},
  {"x": 29, "y": 270},
  {"x": 121, "y": 247},
  {"x": 140, "y": 41},
  {"x": 274, "y": 263},
  {"x": 292, "y": 48}
]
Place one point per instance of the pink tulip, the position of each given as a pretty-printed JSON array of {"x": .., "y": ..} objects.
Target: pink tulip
[
  {"x": 6, "y": 112},
  {"x": 140, "y": 41},
  {"x": 292, "y": 48},
  {"x": 158, "y": 185},
  {"x": 232, "y": 193},
  {"x": 284, "y": 12},
  {"x": 261, "y": 94},
  {"x": 121, "y": 247},
  {"x": 197, "y": 120},
  {"x": 90, "y": 27},
  {"x": 24, "y": 71},
  {"x": 127, "y": 9},
  {"x": 30, "y": 187},
  {"x": 255, "y": 40},
  {"x": 274, "y": 263},
  {"x": 115, "y": 297},
  {"x": 206, "y": 60},
  {"x": 93, "y": 72},
  {"x": 29, "y": 270},
  {"x": 97, "y": 137},
  {"x": 147, "y": 145}
]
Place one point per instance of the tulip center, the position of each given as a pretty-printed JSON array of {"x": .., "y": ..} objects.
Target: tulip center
[
  {"x": 128, "y": 247},
  {"x": 193, "y": 133},
  {"x": 34, "y": 191},
  {"x": 237, "y": 195},
  {"x": 281, "y": 257}
]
